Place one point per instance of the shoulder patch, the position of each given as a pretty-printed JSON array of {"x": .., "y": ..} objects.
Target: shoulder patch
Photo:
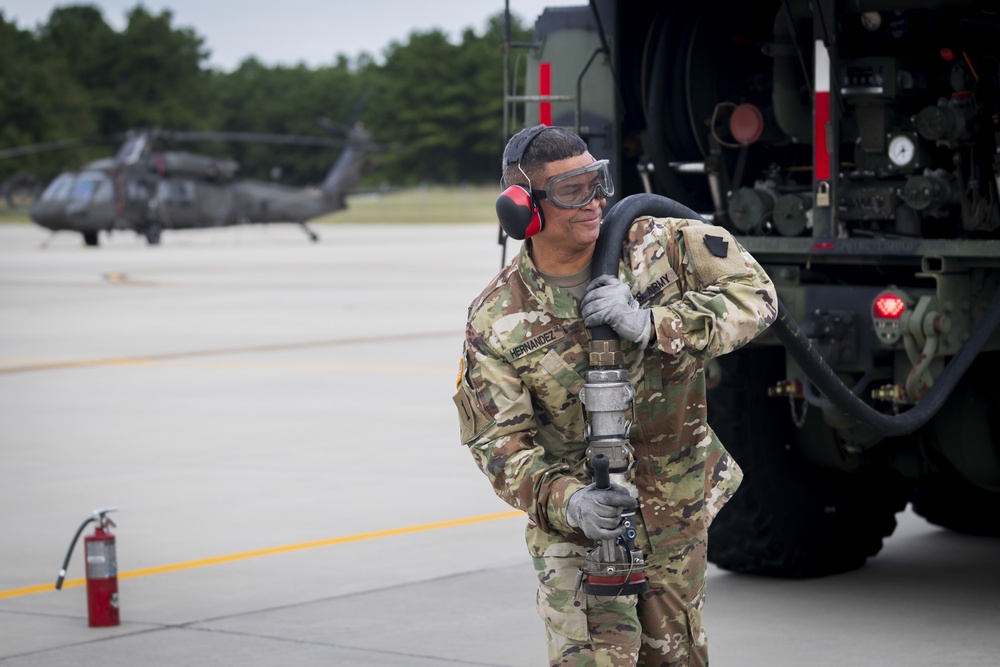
[
  {"x": 717, "y": 245},
  {"x": 707, "y": 247}
]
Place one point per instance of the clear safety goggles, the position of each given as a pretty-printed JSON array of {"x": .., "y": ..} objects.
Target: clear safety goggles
[{"x": 578, "y": 187}]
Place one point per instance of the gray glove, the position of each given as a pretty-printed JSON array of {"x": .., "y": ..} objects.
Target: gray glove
[
  {"x": 598, "y": 512},
  {"x": 609, "y": 301}
]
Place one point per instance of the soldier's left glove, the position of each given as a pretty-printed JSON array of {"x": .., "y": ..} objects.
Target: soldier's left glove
[{"x": 609, "y": 301}]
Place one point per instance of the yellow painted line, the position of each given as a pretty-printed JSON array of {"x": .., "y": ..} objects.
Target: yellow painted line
[
  {"x": 321, "y": 367},
  {"x": 288, "y": 548},
  {"x": 172, "y": 356}
]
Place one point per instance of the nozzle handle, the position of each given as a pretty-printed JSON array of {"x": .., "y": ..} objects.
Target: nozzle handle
[{"x": 602, "y": 471}]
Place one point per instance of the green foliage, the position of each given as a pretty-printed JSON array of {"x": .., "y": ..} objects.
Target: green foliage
[
  {"x": 434, "y": 104},
  {"x": 284, "y": 100},
  {"x": 39, "y": 101},
  {"x": 159, "y": 79},
  {"x": 87, "y": 50}
]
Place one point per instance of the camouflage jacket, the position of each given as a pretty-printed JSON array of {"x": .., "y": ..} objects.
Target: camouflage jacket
[{"x": 526, "y": 353}]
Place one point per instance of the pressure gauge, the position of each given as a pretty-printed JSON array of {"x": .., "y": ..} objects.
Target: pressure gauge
[
  {"x": 872, "y": 21},
  {"x": 902, "y": 150}
]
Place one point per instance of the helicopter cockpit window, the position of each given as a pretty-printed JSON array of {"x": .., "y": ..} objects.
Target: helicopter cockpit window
[
  {"x": 91, "y": 186},
  {"x": 59, "y": 188},
  {"x": 104, "y": 192}
]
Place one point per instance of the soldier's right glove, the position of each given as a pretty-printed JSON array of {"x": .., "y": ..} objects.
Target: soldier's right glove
[
  {"x": 609, "y": 301},
  {"x": 598, "y": 512}
]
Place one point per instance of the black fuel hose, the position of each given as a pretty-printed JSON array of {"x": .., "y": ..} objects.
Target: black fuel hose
[
  {"x": 819, "y": 372},
  {"x": 607, "y": 254},
  {"x": 617, "y": 221}
]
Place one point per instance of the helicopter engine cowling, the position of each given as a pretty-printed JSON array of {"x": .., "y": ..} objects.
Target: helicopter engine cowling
[{"x": 179, "y": 163}]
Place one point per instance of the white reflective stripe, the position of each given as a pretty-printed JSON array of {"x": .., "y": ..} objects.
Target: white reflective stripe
[{"x": 822, "y": 67}]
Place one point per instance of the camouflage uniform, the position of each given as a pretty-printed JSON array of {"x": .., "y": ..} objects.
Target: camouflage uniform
[{"x": 521, "y": 417}]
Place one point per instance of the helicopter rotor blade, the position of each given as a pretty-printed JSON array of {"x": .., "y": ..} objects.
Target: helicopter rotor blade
[
  {"x": 329, "y": 125},
  {"x": 40, "y": 148},
  {"x": 340, "y": 128},
  {"x": 255, "y": 137}
]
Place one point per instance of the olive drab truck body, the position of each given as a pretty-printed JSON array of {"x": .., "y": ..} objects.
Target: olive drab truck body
[{"x": 854, "y": 149}]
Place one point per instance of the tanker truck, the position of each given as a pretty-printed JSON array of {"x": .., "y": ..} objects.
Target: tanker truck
[{"x": 853, "y": 147}]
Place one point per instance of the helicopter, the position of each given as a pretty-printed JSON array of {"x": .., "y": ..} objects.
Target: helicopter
[{"x": 147, "y": 189}]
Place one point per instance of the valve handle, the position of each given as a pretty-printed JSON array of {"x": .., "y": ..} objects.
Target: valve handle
[{"x": 602, "y": 471}]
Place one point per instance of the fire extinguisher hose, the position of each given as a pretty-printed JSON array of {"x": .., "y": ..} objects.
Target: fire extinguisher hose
[{"x": 62, "y": 572}]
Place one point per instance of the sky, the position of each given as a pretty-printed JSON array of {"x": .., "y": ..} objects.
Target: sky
[{"x": 287, "y": 32}]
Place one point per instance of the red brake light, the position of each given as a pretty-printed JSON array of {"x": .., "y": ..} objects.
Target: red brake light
[{"x": 889, "y": 306}]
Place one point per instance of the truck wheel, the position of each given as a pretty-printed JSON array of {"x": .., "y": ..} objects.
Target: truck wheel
[
  {"x": 953, "y": 503},
  {"x": 789, "y": 518},
  {"x": 90, "y": 238},
  {"x": 968, "y": 428}
]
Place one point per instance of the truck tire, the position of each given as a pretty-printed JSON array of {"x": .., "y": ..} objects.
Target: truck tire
[
  {"x": 789, "y": 518},
  {"x": 966, "y": 431},
  {"x": 953, "y": 503}
]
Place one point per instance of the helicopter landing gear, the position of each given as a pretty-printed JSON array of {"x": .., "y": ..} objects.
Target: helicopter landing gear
[
  {"x": 152, "y": 234},
  {"x": 313, "y": 236},
  {"x": 90, "y": 238}
]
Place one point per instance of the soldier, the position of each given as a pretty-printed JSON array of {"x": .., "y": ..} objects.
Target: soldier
[{"x": 685, "y": 292}]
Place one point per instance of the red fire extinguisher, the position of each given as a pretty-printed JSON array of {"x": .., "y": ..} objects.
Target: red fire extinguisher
[{"x": 102, "y": 570}]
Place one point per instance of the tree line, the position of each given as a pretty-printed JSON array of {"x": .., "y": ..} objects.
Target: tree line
[{"x": 436, "y": 106}]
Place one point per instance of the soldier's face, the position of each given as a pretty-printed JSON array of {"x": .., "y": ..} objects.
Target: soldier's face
[{"x": 570, "y": 228}]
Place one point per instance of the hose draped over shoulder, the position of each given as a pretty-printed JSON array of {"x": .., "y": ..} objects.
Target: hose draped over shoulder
[{"x": 607, "y": 254}]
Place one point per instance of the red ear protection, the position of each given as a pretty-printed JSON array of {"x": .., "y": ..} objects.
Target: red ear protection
[{"x": 518, "y": 214}]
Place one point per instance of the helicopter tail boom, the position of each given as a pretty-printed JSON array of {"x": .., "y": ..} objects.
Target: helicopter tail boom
[{"x": 344, "y": 176}]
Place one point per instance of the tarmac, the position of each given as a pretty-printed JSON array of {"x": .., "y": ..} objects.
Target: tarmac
[{"x": 272, "y": 419}]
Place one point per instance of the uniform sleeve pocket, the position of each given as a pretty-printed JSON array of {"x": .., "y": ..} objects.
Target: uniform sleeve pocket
[{"x": 472, "y": 419}]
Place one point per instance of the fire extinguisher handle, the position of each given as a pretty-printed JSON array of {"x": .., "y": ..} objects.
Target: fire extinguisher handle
[{"x": 99, "y": 515}]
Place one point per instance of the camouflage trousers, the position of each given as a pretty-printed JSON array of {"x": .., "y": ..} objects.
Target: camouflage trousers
[{"x": 661, "y": 628}]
